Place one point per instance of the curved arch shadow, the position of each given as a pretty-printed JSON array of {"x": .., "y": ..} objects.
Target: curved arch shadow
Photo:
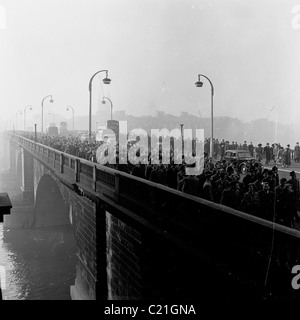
[{"x": 50, "y": 208}]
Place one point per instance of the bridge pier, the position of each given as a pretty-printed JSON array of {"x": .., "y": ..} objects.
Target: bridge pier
[
  {"x": 27, "y": 176},
  {"x": 12, "y": 159}
]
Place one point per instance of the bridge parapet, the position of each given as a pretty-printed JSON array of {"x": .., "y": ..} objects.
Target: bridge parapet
[{"x": 250, "y": 251}]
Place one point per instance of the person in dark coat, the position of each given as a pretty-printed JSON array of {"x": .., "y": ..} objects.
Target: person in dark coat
[
  {"x": 297, "y": 153},
  {"x": 266, "y": 201},
  {"x": 207, "y": 187},
  {"x": 287, "y": 157},
  {"x": 276, "y": 175},
  {"x": 251, "y": 149},
  {"x": 231, "y": 196},
  {"x": 259, "y": 152},
  {"x": 295, "y": 184},
  {"x": 268, "y": 152},
  {"x": 191, "y": 185},
  {"x": 286, "y": 203},
  {"x": 250, "y": 201},
  {"x": 220, "y": 186},
  {"x": 249, "y": 177}
]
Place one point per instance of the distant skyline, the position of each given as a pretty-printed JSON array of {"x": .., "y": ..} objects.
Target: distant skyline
[{"x": 153, "y": 50}]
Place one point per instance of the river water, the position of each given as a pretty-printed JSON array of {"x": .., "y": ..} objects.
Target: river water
[
  {"x": 36, "y": 263},
  {"x": 39, "y": 263}
]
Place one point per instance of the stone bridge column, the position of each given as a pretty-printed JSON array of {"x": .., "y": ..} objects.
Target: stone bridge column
[
  {"x": 27, "y": 176},
  {"x": 12, "y": 158}
]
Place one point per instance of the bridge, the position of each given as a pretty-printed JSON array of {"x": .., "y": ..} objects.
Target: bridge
[{"x": 140, "y": 240}]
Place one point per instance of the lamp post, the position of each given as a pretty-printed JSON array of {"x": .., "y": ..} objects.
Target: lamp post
[
  {"x": 18, "y": 112},
  {"x": 111, "y": 106},
  {"x": 106, "y": 80},
  {"x": 199, "y": 84},
  {"x": 51, "y": 101},
  {"x": 68, "y": 108},
  {"x": 182, "y": 143},
  {"x": 30, "y": 108}
]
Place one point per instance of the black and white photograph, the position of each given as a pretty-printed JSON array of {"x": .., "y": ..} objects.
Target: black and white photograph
[{"x": 150, "y": 151}]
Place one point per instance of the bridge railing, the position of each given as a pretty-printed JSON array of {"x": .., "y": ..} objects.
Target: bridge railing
[{"x": 243, "y": 244}]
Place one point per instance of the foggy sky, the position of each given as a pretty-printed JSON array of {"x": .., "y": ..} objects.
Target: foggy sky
[{"x": 154, "y": 50}]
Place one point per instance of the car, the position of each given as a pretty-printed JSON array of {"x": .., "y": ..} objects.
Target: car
[{"x": 242, "y": 158}]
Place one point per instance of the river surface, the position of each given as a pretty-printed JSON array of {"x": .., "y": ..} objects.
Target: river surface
[
  {"x": 39, "y": 263},
  {"x": 35, "y": 263}
]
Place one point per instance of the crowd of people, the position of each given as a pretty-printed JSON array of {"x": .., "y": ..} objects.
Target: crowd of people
[
  {"x": 275, "y": 153},
  {"x": 260, "y": 192}
]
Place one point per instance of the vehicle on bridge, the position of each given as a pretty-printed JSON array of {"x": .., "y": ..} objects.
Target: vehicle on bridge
[{"x": 242, "y": 158}]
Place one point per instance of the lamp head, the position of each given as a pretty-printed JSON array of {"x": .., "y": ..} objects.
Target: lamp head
[
  {"x": 106, "y": 80},
  {"x": 199, "y": 84},
  {"x": 103, "y": 102},
  {"x": 51, "y": 100},
  {"x": 30, "y": 108},
  {"x": 67, "y": 109}
]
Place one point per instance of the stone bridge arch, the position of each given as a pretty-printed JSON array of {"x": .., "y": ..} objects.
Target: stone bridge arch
[{"x": 51, "y": 207}]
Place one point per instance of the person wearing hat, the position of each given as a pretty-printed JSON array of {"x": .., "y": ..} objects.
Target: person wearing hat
[
  {"x": 259, "y": 152},
  {"x": 297, "y": 153},
  {"x": 249, "y": 177},
  {"x": 231, "y": 196},
  {"x": 275, "y": 152},
  {"x": 286, "y": 210},
  {"x": 250, "y": 201},
  {"x": 268, "y": 153},
  {"x": 270, "y": 178},
  {"x": 276, "y": 175},
  {"x": 191, "y": 185},
  {"x": 279, "y": 189},
  {"x": 251, "y": 149},
  {"x": 266, "y": 202},
  {"x": 293, "y": 181},
  {"x": 287, "y": 157},
  {"x": 207, "y": 186}
]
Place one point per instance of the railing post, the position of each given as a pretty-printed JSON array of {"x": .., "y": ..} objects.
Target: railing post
[
  {"x": 94, "y": 186},
  {"x": 54, "y": 156},
  {"x": 48, "y": 155},
  {"x": 62, "y": 161},
  {"x": 77, "y": 170},
  {"x": 117, "y": 187}
]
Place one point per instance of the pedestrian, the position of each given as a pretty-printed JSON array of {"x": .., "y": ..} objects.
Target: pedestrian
[
  {"x": 250, "y": 201},
  {"x": 297, "y": 153}
]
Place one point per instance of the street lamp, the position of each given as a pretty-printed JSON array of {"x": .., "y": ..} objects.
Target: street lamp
[
  {"x": 51, "y": 101},
  {"x": 30, "y": 108},
  {"x": 182, "y": 143},
  {"x": 18, "y": 112},
  {"x": 199, "y": 84},
  {"x": 68, "y": 108},
  {"x": 111, "y": 106},
  {"x": 106, "y": 80}
]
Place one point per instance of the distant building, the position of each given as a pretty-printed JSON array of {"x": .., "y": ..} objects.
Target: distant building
[
  {"x": 63, "y": 128},
  {"x": 53, "y": 130}
]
